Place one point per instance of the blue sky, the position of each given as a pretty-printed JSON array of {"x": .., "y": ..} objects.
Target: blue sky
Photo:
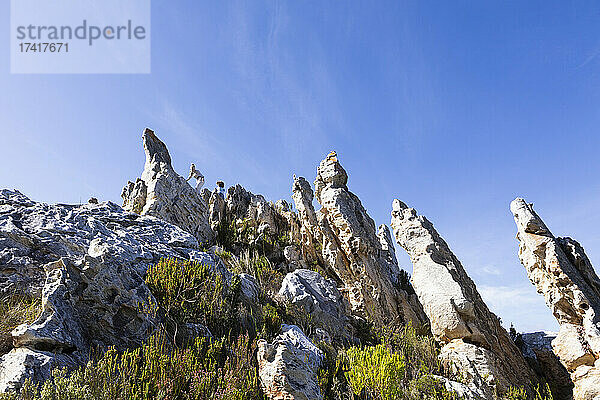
[{"x": 455, "y": 109}]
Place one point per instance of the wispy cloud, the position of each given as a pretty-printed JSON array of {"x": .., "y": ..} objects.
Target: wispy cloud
[{"x": 518, "y": 303}]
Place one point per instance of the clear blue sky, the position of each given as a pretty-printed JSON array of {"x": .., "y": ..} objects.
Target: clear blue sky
[{"x": 454, "y": 109}]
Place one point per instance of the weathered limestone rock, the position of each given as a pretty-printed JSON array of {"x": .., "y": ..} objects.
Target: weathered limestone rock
[
  {"x": 249, "y": 288},
  {"x": 319, "y": 297},
  {"x": 288, "y": 367},
  {"x": 462, "y": 390},
  {"x": 163, "y": 193},
  {"x": 472, "y": 335},
  {"x": 587, "y": 382},
  {"x": 247, "y": 221},
  {"x": 22, "y": 363},
  {"x": 563, "y": 274},
  {"x": 478, "y": 367},
  {"x": 245, "y": 206},
  {"x": 346, "y": 244},
  {"x": 87, "y": 263}
]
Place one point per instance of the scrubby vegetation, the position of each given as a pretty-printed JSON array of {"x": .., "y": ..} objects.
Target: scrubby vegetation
[
  {"x": 14, "y": 311},
  {"x": 176, "y": 363},
  {"x": 401, "y": 365}
]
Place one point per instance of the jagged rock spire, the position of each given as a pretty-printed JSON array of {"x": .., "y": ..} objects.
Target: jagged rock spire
[
  {"x": 473, "y": 339},
  {"x": 162, "y": 193},
  {"x": 563, "y": 274},
  {"x": 343, "y": 237}
]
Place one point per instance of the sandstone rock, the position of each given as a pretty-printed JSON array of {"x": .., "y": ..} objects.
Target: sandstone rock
[
  {"x": 318, "y": 296},
  {"x": 571, "y": 347},
  {"x": 587, "y": 382},
  {"x": 248, "y": 221},
  {"x": 87, "y": 263},
  {"x": 162, "y": 193},
  {"x": 457, "y": 313},
  {"x": 341, "y": 237},
  {"x": 563, "y": 274},
  {"x": 288, "y": 367},
  {"x": 246, "y": 206},
  {"x": 387, "y": 247}
]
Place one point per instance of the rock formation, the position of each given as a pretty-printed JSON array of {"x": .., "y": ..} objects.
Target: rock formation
[
  {"x": 245, "y": 221},
  {"x": 163, "y": 193},
  {"x": 563, "y": 274},
  {"x": 87, "y": 263},
  {"x": 319, "y": 297},
  {"x": 342, "y": 238},
  {"x": 472, "y": 337},
  {"x": 288, "y": 367}
]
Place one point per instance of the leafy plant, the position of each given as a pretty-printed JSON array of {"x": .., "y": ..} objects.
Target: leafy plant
[{"x": 375, "y": 370}]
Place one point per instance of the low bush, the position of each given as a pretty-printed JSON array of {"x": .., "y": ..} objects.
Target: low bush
[
  {"x": 14, "y": 311},
  {"x": 190, "y": 292},
  {"x": 157, "y": 370},
  {"x": 375, "y": 370}
]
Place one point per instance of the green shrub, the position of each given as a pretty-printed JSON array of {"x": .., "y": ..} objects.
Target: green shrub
[
  {"x": 190, "y": 292},
  {"x": 376, "y": 370},
  {"x": 156, "y": 370},
  {"x": 419, "y": 351},
  {"x": 428, "y": 388},
  {"x": 540, "y": 393},
  {"x": 14, "y": 311},
  {"x": 267, "y": 276},
  {"x": 166, "y": 368}
]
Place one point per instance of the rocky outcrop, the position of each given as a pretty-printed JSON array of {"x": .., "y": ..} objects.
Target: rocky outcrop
[
  {"x": 471, "y": 334},
  {"x": 246, "y": 221},
  {"x": 163, "y": 193},
  {"x": 87, "y": 263},
  {"x": 563, "y": 274},
  {"x": 319, "y": 297},
  {"x": 342, "y": 239},
  {"x": 288, "y": 367}
]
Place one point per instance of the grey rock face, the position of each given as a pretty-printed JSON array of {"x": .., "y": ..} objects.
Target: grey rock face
[
  {"x": 22, "y": 363},
  {"x": 163, "y": 193},
  {"x": 318, "y": 296},
  {"x": 458, "y": 315},
  {"x": 288, "y": 367},
  {"x": 343, "y": 239},
  {"x": 249, "y": 288},
  {"x": 87, "y": 263},
  {"x": 563, "y": 274}
]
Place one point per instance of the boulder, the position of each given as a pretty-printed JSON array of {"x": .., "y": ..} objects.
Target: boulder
[
  {"x": 460, "y": 320},
  {"x": 87, "y": 263},
  {"x": 564, "y": 275},
  {"x": 22, "y": 363},
  {"x": 288, "y": 367},
  {"x": 319, "y": 297},
  {"x": 163, "y": 193},
  {"x": 249, "y": 288}
]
